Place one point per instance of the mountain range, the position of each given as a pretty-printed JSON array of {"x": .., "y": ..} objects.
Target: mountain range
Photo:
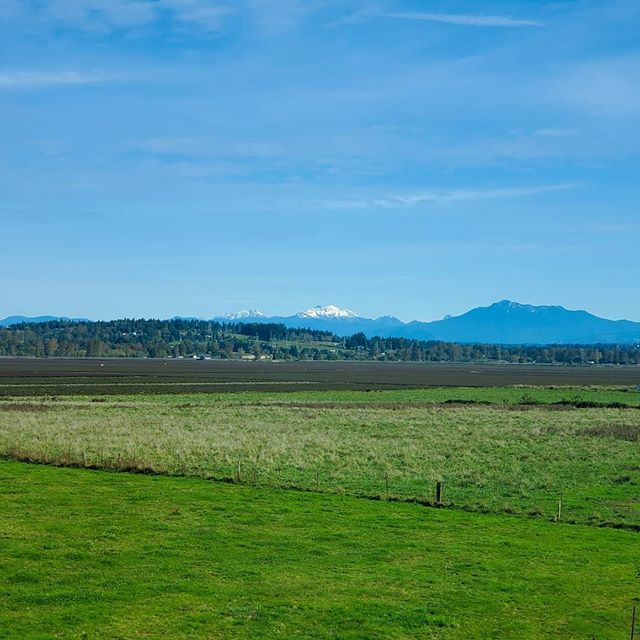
[{"x": 504, "y": 322}]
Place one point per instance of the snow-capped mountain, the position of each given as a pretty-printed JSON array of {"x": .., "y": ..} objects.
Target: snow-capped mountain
[
  {"x": 330, "y": 311},
  {"x": 244, "y": 315},
  {"x": 504, "y": 322},
  {"x": 331, "y": 318}
]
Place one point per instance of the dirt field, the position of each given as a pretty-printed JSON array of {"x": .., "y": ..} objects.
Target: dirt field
[{"x": 208, "y": 375}]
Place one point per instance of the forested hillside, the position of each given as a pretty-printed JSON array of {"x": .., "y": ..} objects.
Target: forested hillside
[{"x": 198, "y": 338}]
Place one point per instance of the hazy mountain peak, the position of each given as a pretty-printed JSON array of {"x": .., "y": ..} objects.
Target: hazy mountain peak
[
  {"x": 243, "y": 315},
  {"x": 510, "y": 305},
  {"x": 330, "y": 311},
  {"x": 507, "y": 303}
]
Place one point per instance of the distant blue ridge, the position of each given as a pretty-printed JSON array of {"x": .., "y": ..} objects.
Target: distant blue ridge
[{"x": 504, "y": 322}]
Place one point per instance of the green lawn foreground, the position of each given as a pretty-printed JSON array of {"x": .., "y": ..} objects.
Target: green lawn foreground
[{"x": 102, "y": 555}]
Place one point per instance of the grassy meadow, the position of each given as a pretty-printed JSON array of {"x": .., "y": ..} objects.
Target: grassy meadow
[
  {"x": 113, "y": 556},
  {"x": 153, "y": 389},
  {"x": 202, "y": 542},
  {"x": 520, "y": 454}
]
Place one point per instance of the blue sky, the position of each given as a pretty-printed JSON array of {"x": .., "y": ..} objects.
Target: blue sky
[{"x": 194, "y": 157}]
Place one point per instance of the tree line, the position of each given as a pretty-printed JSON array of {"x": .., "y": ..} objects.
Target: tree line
[{"x": 180, "y": 338}]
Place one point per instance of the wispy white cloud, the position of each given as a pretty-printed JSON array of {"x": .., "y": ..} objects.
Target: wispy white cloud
[
  {"x": 96, "y": 15},
  {"x": 278, "y": 16},
  {"x": 203, "y": 147},
  {"x": 446, "y": 197},
  {"x": 105, "y": 16},
  {"x": 555, "y": 133},
  {"x": 609, "y": 228},
  {"x": 608, "y": 86},
  {"x": 39, "y": 79},
  {"x": 204, "y": 14},
  {"x": 465, "y": 19}
]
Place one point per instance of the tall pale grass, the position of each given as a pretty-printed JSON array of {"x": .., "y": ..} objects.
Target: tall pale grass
[{"x": 489, "y": 458}]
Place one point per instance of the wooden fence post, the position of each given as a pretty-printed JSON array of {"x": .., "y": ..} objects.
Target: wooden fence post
[{"x": 438, "y": 492}]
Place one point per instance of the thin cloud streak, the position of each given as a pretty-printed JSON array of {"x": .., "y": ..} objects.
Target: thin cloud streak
[
  {"x": 106, "y": 16},
  {"x": 466, "y": 20},
  {"x": 39, "y": 79},
  {"x": 445, "y": 197}
]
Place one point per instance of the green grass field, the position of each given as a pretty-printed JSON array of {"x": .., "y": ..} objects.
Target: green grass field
[
  {"x": 102, "y": 554},
  {"x": 157, "y": 391},
  {"x": 109, "y": 556},
  {"x": 497, "y": 458}
]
